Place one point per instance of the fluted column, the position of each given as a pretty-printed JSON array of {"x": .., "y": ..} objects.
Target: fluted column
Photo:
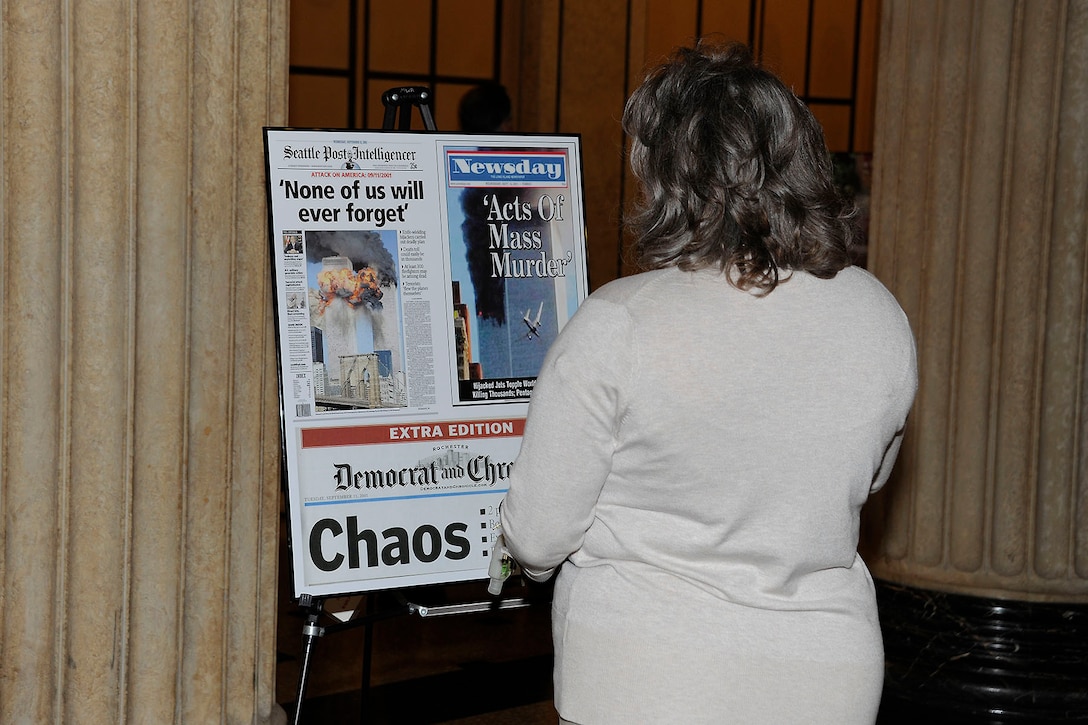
[
  {"x": 139, "y": 441},
  {"x": 980, "y": 227}
]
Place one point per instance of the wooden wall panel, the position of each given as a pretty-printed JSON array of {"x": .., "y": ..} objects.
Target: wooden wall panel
[
  {"x": 536, "y": 87},
  {"x": 864, "y": 100},
  {"x": 836, "y": 122},
  {"x": 729, "y": 18},
  {"x": 569, "y": 66},
  {"x": 669, "y": 23},
  {"x": 831, "y": 71},
  {"x": 447, "y": 96},
  {"x": 782, "y": 40},
  {"x": 397, "y": 46},
  {"x": 321, "y": 32},
  {"x": 374, "y": 109},
  {"x": 591, "y": 104},
  {"x": 318, "y": 101},
  {"x": 465, "y": 37}
]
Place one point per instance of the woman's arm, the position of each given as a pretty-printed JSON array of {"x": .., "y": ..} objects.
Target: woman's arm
[{"x": 570, "y": 434}]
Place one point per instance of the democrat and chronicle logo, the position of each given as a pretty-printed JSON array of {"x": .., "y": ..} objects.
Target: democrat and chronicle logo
[{"x": 506, "y": 168}]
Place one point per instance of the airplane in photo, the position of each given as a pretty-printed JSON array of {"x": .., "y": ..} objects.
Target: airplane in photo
[{"x": 533, "y": 325}]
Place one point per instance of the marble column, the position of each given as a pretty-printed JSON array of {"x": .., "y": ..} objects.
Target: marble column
[
  {"x": 980, "y": 227},
  {"x": 139, "y": 435}
]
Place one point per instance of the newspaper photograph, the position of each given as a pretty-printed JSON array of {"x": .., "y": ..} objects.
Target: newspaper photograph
[
  {"x": 511, "y": 251},
  {"x": 419, "y": 280}
]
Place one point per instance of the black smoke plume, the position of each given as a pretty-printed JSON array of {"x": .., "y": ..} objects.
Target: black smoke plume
[
  {"x": 364, "y": 249},
  {"x": 490, "y": 291}
]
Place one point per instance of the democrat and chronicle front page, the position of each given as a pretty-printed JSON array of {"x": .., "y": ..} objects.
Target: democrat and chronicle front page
[{"x": 419, "y": 279}]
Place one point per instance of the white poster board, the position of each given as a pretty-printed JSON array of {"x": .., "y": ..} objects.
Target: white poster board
[{"x": 419, "y": 280}]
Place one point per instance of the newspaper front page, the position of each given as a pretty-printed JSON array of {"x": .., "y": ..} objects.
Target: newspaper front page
[{"x": 419, "y": 280}]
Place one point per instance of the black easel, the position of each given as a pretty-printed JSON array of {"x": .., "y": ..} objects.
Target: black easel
[
  {"x": 310, "y": 633},
  {"x": 402, "y": 99},
  {"x": 312, "y": 630}
]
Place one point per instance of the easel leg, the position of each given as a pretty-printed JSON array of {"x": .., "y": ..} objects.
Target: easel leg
[
  {"x": 310, "y": 632},
  {"x": 368, "y": 649}
]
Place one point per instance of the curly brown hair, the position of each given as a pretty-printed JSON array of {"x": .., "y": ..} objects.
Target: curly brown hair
[{"x": 735, "y": 173}]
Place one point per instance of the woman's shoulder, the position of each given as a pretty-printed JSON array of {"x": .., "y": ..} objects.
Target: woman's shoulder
[
  {"x": 862, "y": 279},
  {"x": 867, "y": 288},
  {"x": 630, "y": 289},
  {"x": 856, "y": 286},
  {"x": 608, "y": 312}
]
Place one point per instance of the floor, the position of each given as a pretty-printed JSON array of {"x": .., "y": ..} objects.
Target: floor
[
  {"x": 481, "y": 665},
  {"x": 479, "y": 668}
]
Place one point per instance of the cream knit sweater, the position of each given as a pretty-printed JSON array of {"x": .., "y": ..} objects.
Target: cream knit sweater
[{"x": 696, "y": 459}]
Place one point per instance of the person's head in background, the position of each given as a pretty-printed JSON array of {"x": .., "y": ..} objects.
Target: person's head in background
[
  {"x": 485, "y": 108},
  {"x": 735, "y": 173}
]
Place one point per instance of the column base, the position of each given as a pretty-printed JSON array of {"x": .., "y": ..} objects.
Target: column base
[{"x": 965, "y": 659}]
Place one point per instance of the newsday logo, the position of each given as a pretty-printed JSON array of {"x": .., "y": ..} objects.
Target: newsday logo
[{"x": 504, "y": 168}]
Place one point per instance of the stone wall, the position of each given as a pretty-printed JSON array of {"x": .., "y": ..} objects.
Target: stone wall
[{"x": 139, "y": 444}]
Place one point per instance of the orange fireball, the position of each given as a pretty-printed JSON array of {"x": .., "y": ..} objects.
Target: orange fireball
[{"x": 355, "y": 287}]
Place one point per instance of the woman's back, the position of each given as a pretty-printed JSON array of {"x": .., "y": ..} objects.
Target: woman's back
[
  {"x": 753, "y": 427},
  {"x": 714, "y": 574}
]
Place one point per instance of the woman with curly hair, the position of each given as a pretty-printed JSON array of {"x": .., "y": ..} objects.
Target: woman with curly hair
[{"x": 703, "y": 435}]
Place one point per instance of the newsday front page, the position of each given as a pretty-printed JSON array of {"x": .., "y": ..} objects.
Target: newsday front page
[{"x": 419, "y": 280}]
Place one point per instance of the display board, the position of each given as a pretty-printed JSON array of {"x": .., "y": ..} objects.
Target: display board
[{"x": 419, "y": 280}]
